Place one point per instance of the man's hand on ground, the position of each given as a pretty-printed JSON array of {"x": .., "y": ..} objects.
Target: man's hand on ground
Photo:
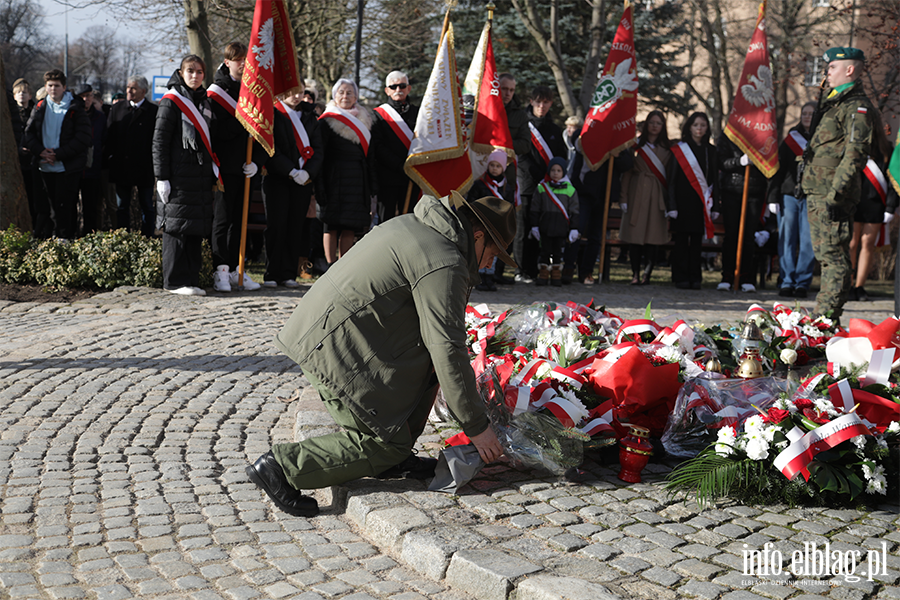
[{"x": 488, "y": 445}]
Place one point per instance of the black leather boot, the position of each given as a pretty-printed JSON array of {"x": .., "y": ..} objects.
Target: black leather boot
[{"x": 268, "y": 474}]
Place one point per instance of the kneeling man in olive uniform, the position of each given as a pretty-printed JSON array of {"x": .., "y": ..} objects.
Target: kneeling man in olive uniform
[
  {"x": 376, "y": 335},
  {"x": 838, "y": 150}
]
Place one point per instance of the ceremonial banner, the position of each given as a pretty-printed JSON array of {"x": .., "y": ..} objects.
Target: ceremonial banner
[
  {"x": 490, "y": 128},
  {"x": 438, "y": 161},
  {"x": 472, "y": 83},
  {"x": 894, "y": 166},
  {"x": 270, "y": 70},
  {"x": 610, "y": 125},
  {"x": 751, "y": 124}
]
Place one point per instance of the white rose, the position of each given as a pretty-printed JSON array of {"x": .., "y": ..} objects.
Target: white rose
[
  {"x": 788, "y": 356},
  {"x": 894, "y": 427}
]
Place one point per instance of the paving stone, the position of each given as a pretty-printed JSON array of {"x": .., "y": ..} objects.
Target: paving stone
[
  {"x": 661, "y": 576},
  {"x": 696, "y": 569},
  {"x": 545, "y": 587},
  {"x": 701, "y": 589},
  {"x": 630, "y": 564},
  {"x": 601, "y": 552},
  {"x": 486, "y": 573}
]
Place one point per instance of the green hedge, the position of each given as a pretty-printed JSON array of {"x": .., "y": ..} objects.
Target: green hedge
[{"x": 105, "y": 260}]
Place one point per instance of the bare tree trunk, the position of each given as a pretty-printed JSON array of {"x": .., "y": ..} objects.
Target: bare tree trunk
[
  {"x": 197, "y": 25},
  {"x": 592, "y": 64},
  {"x": 13, "y": 201},
  {"x": 550, "y": 46}
]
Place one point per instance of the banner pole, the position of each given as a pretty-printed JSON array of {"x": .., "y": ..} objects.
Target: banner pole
[
  {"x": 246, "y": 210},
  {"x": 408, "y": 194},
  {"x": 740, "y": 248},
  {"x": 609, "y": 176}
]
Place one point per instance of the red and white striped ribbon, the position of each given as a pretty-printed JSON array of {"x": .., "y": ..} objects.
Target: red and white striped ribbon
[{"x": 796, "y": 457}]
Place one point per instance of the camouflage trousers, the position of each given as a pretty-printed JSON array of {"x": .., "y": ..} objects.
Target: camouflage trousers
[{"x": 831, "y": 245}]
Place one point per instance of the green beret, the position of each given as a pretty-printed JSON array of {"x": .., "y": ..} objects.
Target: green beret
[{"x": 844, "y": 54}]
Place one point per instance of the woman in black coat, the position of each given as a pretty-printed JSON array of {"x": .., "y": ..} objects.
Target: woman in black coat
[
  {"x": 184, "y": 171},
  {"x": 684, "y": 204},
  {"x": 346, "y": 188}
]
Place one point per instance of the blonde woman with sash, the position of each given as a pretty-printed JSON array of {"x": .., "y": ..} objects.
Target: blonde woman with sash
[
  {"x": 693, "y": 199},
  {"x": 643, "y": 200},
  {"x": 347, "y": 186}
]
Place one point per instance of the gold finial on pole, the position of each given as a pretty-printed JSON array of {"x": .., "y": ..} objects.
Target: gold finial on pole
[{"x": 491, "y": 7}]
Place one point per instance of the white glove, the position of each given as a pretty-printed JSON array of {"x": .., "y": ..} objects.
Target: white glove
[
  {"x": 249, "y": 169},
  {"x": 573, "y": 235},
  {"x": 624, "y": 207},
  {"x": 745, "y": 160},
  {"x": 761, "y": 237},
  {"x": 888, "y": 217},
  {"x": 299, "y": 177},
  {"x": 672, "y": 214},
  {"x": 163, "y": 188},
  {"x": 773, "y": 208},
  {"x": 535, "y": 233},
  {"x": 714, "y": 215}
]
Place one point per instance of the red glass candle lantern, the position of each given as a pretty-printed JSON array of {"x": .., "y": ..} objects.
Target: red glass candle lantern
[{"x": 635, "y": 450}]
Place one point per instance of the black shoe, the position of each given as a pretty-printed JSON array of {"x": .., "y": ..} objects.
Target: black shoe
[
  {"x": 268, "y": 475},
  {"x": 412, "y": 467},
  {"x": 787, "y": 292},
  {"x": 504, "y": 280},
  {"x": 487, "y": 284},
  {"x": 695, "y": 285},
  {"x": 861, "y": 294},
  {"x": 683, "y": 285},
  {"x": 800, "y": 292},
  {"x": 852, "y": 294}
]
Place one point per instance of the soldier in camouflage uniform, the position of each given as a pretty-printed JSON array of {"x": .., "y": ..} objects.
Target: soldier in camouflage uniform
[{"x": 833, "y": 166}]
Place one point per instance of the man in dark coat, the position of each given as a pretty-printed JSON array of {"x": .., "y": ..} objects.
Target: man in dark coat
[
  {"x": 21, "y": 108},
  {"x": 393, "y": 182},
  {"x": 59, "y": 135},
  {"x": 128, "y": 153},
  {"x": 90, "y": 184},
  {"x": 521, "y": 138}
]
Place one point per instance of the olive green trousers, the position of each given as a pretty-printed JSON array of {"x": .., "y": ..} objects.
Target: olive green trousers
[{"x": 352, "y": 453}]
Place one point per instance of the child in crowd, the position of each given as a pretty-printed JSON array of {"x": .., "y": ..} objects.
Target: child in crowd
[
  {"x": 554, "y": 208},
  {"x": 492, "y": 183}
]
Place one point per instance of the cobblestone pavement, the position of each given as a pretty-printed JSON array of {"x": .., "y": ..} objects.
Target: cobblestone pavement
[{"x": 126, "y": 421}]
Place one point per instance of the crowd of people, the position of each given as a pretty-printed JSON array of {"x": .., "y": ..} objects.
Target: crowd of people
[{"x": 185, "y": 161}]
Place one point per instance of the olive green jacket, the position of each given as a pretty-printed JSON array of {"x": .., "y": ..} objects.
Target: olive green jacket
[
  {"x": 384, "y": 316},
  {"x": 839, "y": 148}
]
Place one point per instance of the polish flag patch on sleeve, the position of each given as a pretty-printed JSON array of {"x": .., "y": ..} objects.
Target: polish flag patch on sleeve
[{"x": 862, "y": 109}]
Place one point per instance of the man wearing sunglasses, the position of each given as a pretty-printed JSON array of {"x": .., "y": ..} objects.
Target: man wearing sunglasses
[{"x": 395, "y": 120}]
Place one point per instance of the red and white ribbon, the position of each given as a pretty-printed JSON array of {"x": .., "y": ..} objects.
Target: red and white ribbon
[
  {"x": 796, "y": 142},
  {"x": 494, "y": 186},
  {"x": 218, "y": 94},
  {"x": 362, "y": 132},
  {"x": 876, "y": 177},
  {"x": 635, "y": 328},
  {"x": 538, "y": 140},
  {"x": 301, "y": 138},
  {"x": 685, "y": 157},
  {"x": 393, "y": 118},
  {"x": 879, "y": 367},
  {"x": 555, "y": 199},
  {"x": 653, "y": 163},
  {"x": 190, "y": 110},
  {"x": 796, "y": 457}
]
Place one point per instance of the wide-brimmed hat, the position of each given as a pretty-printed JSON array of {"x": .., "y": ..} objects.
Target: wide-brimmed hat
[{"x": 498, "y": 217}]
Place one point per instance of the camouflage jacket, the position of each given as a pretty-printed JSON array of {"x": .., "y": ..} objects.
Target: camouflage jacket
[{"x": 839, "y": 148}]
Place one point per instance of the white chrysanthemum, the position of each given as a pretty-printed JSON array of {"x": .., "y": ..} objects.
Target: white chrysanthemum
[
  {"x": 753, "y": 424},
  {"x": 669, "y": 354},
  {"x": 768, "y": 433},
  {"x": 825, "y": 405},
  {"x": 725, "y": 441},
  {"x": 859, "y": 441},
  {"x": 788, "y": 320},
  {"x": 894, "y": 427},
  {"x": 867, "y": 471},
  {"x": 877, "y": 486},
  {"x": 757, "y": 448},
  {"x": 811, "y": 331},
  {"x": 583, "y": 412}
]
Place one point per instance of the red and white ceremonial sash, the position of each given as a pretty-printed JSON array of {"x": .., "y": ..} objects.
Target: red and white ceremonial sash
[
  {"x": 697, "y": 179},
  {"x": 538, "y": 141},
  {"x": 796, "y": 457},
  {"x": 393, "y": 118},
  {"x": 362, "y": 132},
  {"x": 190, "y": 110},
  {"x": 221, "y": 97},
  {"x": 300, "y": 135},
  {"x": 653, "y": 162},
  {"x": 796, "y": 142},
  {"x": 492, "y": 186},
  {"x": 876, "y": 177},
  {"x": 555, "y": 199}
]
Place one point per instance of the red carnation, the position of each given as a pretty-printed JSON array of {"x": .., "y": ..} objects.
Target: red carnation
[
  {"x": 584, "y": 329},
  {"x": 802, "y": 403}
]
